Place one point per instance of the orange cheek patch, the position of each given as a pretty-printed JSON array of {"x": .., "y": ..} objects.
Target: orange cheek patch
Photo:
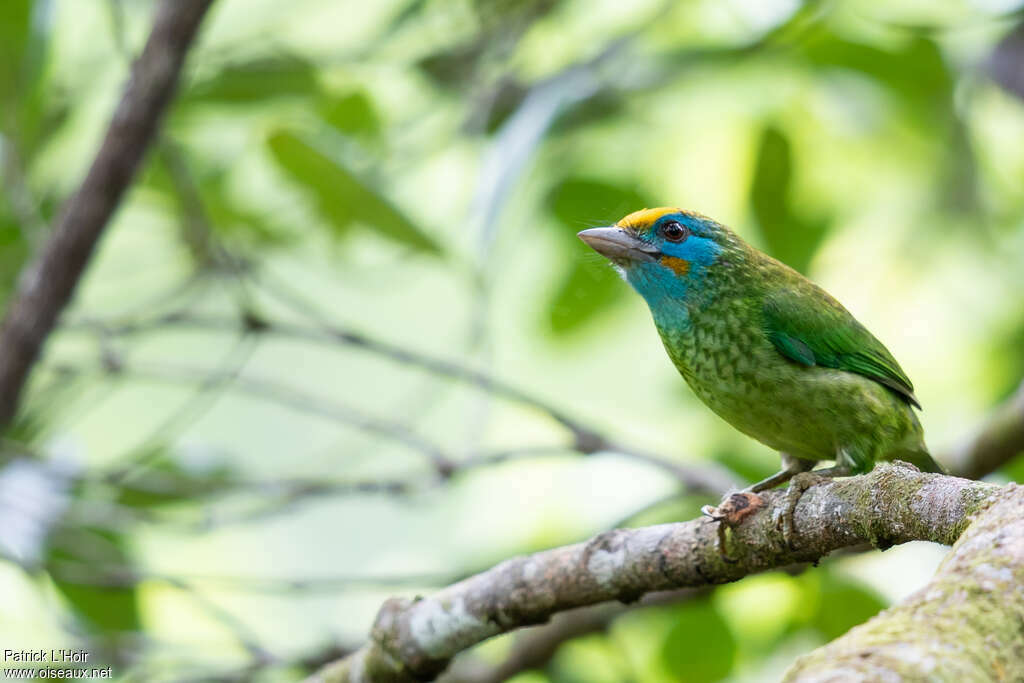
[{"x": 679, "y": 266}]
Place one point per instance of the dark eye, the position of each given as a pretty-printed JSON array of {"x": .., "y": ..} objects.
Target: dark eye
[{"x": 673, "y": 231}]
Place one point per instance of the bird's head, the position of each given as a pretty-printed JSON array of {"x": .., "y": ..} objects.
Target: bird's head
[{"x": 663, "y": 253}]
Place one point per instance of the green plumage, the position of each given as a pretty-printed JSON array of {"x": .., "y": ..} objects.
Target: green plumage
[
  {"x": 768, "y": 350},
  {"x": 817, "y": 330}
]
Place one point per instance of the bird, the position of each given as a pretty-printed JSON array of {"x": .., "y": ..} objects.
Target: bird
[{"x": 766, "y": 349}]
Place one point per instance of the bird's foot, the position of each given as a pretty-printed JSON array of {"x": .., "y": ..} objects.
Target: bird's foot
[
  {"x": 734, "y": 508},
  {"x": 784, "y": 516},
  {"x": 790, "y": 467}
]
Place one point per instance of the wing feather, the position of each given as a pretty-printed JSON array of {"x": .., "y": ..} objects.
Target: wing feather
[{"x": 811, "y": 328}]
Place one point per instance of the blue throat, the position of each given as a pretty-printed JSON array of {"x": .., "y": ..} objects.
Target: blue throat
[
  {"x": 671, "y": 295},
  {"x": 666, "y": 294}
]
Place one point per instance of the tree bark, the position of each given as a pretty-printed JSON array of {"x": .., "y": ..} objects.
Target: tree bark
[
  {"x": 46, "y": 285},
  {"x": 415, "y": 640},
  {"x": 967, "y": 624}
]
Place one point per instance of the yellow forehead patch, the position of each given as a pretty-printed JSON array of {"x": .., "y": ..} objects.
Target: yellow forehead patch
[{"x": 641, "y": 219}]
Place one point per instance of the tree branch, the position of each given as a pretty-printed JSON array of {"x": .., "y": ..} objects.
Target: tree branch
[
  {"x": 535, "y": 646},
  {"x": 965, "y": 625},
  {"x": 46, "y": 285},
  {"x": 415, "y": 640},
  {"x": 999, "y": 440}
]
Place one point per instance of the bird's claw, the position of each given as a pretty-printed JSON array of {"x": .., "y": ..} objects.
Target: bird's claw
[
  {"x": 733, "y": 509},
  {"x": 784, "y": 515}
]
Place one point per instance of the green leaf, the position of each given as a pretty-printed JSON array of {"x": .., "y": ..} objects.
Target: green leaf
[
  {"x": 453, "y": 66},
  {"x": 1014, "y": 470},
  {"x": 166, "y": 482},
  {"x": 235, "y": 221},
  {"x": 915, "y": 73},
  {"x": 772, "y": 175},
  {"x": 15, "y": 35},
  {"x": 588, "y": 286},
  {"x": 579, "y": 202},
  {"x": 843, "y": 604},
  {"x": 29, "y": 111},
  {"x": 13, "y": 252},
  {"x": 586, "y": 289},
  {"x": 259, "y": 79},
  {"x": 341, "y": 198},
  {"x": 352, "y": 114},
  {"x": 589, "y": 659},
  {"x": 42, "y": 114},
  {"x": 788, "y": 235},
  {"x": 700, "y": 647},
  {"x": 1005, "y": 356},
  {"x": 603, "y": 106},
  {"x": 82, "y": 557}
]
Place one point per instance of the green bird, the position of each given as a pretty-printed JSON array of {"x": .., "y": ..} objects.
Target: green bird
[{"x": 766, "y": 349}]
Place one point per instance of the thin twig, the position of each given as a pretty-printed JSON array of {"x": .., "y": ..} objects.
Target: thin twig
[
  {"x": 289, "y": 397},
  {"x": 704, "y": 477},
  {"x": 999, "y": 440}
]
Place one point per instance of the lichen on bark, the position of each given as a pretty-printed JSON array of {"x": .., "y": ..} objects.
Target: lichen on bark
[{"x": 966, "y": 624}]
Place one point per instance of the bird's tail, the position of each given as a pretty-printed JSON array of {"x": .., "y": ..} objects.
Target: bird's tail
[
  {"x": 921, "y": 459},
  {"x": 914, "y": 450}
]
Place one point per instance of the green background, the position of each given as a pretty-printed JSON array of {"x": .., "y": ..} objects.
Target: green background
[{"x": 416, "y": 172}]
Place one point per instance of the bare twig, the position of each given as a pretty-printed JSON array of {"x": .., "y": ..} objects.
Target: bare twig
[
  {"x": 203, "y": 397},
  {"x": 46, "y": 285},
  {"x": 126, "y": 576},
  {"x": 999, "y": 440},
  {"x": 705, "y": 477},
  {"x": 297, "y": 400}
]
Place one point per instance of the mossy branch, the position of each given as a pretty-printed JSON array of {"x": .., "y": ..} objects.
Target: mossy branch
[
  {"x": 415, "y": 640},
  {"x": 966, "y": 624}
]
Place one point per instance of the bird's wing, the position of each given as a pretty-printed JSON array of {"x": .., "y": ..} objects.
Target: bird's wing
[{"x": 811, "y": 328}]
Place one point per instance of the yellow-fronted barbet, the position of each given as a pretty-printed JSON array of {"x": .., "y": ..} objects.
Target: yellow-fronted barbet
[{"x": 770, "y": 352}]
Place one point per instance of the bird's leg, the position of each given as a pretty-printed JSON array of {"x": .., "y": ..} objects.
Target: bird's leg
[
  {"x": 790, "y": 467},
  {"x": 735, "y": 506},
  {"x": 800, "y": 483}
]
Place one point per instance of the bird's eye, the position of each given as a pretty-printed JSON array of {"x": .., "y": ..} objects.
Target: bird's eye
[{"x": 673, "y": 231}]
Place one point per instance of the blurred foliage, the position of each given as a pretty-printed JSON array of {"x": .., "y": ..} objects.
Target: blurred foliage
[
  {"x": 841, "y": 603},
  {"x": 13, "y": 250},
  {"x": 16, "y": 51},
  {"x": 700, "y": 647},
  {"x": 166, "y": 482},
  {"x": 788, "y": 235},
  {"x": 254, "y": 81},
  {"x": 110, "y": 610},
  {"x": 861, "y": 144},
  {"x": 342, "y": 199},
  {"x": 914, "y": 73},
  {"x": 352, "y": 113},
  {"x": 590, "y": 286}
]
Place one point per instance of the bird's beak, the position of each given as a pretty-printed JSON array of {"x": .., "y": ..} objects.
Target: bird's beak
[{"x": 618, "y": 245}]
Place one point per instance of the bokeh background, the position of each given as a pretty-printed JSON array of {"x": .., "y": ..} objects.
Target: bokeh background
[{"x": 314, "y": 363}]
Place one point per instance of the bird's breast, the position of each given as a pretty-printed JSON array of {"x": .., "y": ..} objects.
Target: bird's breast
[{"x": 731, "y": 366}]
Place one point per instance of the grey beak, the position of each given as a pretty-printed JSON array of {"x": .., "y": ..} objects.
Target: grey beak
[{"x": 618, "y": 245}]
